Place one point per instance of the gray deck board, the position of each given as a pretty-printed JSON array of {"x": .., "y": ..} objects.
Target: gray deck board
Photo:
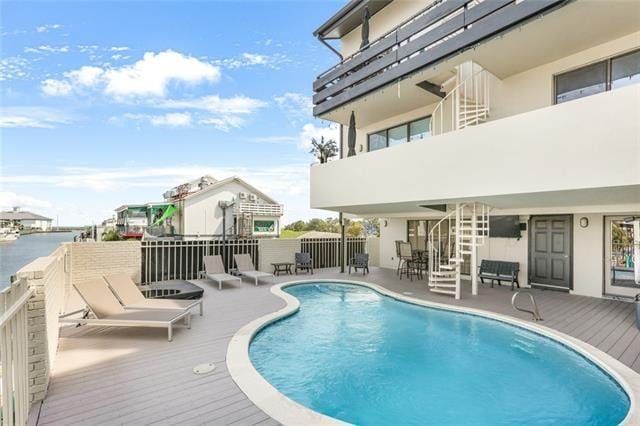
[{"x": 134, "y": 376}]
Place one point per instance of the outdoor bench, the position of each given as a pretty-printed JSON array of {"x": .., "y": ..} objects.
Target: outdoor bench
[{"x": 498, "y": 270}]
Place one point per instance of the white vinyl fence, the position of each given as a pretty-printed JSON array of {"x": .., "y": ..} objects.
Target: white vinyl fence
[{"x": 14, "y": 354}]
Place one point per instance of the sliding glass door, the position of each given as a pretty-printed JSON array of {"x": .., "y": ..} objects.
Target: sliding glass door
[{"x": 622, "y": 256}]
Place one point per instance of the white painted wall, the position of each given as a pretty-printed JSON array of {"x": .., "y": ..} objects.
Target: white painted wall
[
  {"x": 588, "y": 255},
  {"x": 43, "y": 225},
  {"x": 523, "y": 154},
  {"x": 396, "y": 229}
]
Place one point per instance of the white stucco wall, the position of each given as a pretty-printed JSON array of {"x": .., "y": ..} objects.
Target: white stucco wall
[
  {"x": 396, "y": 229},
  {"x": 588, "y": 255}
]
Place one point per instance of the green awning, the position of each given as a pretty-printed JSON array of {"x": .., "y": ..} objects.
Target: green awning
[{"x": 168, "y": 212}]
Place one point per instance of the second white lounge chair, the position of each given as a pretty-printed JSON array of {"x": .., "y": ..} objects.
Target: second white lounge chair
[
  {"x": 214, "y": 270},
  {"x": 108, "y": 311},
  {"x": 132, "y": 298},
  {"x": 246, "y": 268}
]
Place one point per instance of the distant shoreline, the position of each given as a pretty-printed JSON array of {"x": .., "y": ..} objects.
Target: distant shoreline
[{"x": 53, "y": 231}]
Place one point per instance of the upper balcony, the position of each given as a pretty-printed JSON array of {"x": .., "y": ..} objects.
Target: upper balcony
[
  {"x": 584, "y": 152},
  {"x": 423, "y": 50}
]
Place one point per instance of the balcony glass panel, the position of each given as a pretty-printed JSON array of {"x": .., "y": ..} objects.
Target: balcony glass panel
[
  {"x": 419, "y": 130},
  {"x": 377, "y": 140},
  {"x": 625, "y": 70},
  {"x": 585, "y": 81},
  {"x": 398, "y": 135}
]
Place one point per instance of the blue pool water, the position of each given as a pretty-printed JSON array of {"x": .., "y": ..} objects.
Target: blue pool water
[{"x": 364, "y": 358}]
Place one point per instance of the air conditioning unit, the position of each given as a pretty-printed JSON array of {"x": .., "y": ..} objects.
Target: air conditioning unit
[
  {"x": 253, "y": 197},
  {"x": 242, "y": 195}
]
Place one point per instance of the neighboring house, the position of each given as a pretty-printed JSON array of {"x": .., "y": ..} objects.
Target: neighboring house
[
  {"x": 530, "y": 109},
  {"x": 132, "y": 220},
  {"x": 250, "y": 212},
  {"x": 17, "y": 218}
]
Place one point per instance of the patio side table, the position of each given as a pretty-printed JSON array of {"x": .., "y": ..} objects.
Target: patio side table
[{"x": 282, "y": 267}]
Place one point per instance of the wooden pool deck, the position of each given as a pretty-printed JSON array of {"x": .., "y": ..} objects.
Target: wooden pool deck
[{"x": 133, "y": 376}]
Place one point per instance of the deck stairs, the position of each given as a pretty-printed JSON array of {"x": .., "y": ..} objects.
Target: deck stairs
[
  {"x": 467, "y": 102},
  {"x": 454, "y": 237}
]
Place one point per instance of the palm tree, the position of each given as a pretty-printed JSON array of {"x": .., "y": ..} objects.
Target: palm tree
[{"x": 323, "y": 150}]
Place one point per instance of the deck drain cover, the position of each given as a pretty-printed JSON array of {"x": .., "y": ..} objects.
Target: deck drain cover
[
  {"x": 407, "y": 293},
  {"x": 204, "y": 368}
]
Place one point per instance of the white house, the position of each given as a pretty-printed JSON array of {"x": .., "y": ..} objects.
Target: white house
[
  {"x": 503, "y": 130},
  {"x": 24, "y": 220},
  {"x": 248, "y": 212}
]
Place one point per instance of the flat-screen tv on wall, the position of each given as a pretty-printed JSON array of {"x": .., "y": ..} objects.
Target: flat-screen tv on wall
[{"x": 504, "y": 226}]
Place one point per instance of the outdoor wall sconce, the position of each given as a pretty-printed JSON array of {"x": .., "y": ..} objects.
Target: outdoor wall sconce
[
  {"x": 360, "y": 147},
  {"x": 584, "y": 222},
  {"x": 385, "y": 223}
]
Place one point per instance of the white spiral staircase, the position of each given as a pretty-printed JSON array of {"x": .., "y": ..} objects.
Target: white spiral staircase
[
  {"x": 456, "y": 235},
  {"x": 466, "y": 104}
]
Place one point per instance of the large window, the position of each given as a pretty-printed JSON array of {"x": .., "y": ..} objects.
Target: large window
[
  {"x": 599, "y": 77},
  {"x": 408, "y": 132}
]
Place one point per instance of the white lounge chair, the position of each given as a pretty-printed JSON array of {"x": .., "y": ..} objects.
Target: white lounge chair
[
  {"x": 214, "y": 270},
  {"x": 246, "y": 268},
  {"x": 132, "y": 298},
  {"x": 108, "y": 311}
]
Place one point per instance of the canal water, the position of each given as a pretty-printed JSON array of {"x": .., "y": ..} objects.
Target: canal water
[{"x": 16, "y": 254}]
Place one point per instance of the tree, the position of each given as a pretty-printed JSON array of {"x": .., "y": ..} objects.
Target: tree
[
  {"x": 355, "y": 229},
  {"x": 372, "y": 226},
  {"x": 297, "y": 226},
  {"x": 323, "y": 150},
  {"x": 111, "y": 235}
]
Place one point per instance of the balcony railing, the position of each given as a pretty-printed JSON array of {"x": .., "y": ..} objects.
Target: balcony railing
[
  {"x": 259, "y": 209},
  {"x": 442, "y": 29}
]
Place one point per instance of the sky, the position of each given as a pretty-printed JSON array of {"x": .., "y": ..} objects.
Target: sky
[{"x": 108, "y": 103}]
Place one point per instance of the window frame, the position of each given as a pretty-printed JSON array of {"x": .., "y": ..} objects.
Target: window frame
[
  {"x": 608, "y": 63},
  {"x": 405, "y": 124}
]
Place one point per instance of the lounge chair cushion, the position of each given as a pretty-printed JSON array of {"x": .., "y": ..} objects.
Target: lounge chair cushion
[
  {"x": 99, "y": 298},
  {"x": 125, "y": 289}
]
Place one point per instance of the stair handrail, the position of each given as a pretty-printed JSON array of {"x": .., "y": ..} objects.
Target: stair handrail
[
  {"x": 535, "y": 313},
  {"x": 452, "y": 92}
]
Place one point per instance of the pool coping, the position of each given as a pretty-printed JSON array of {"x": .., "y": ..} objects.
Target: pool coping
[{"x": 288, "y": 412}]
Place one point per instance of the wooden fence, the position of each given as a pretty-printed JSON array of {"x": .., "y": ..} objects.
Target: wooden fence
[{"x": 14, "y": 354}]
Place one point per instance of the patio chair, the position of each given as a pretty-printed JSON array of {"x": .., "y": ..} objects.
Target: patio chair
[
  {"x": 214, "y": 270},
  {"x": 132, "y": 298},
  {"x": 246, "y": 268},
  {"x": 304, "y": 263},
  {"x": 360, "y": 261},
  {"x": 405, "y": 255},
  {"x": 108, "y": 311}
]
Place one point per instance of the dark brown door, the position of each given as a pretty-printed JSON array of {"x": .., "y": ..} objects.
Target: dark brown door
[{"x": 550, "y": 251}]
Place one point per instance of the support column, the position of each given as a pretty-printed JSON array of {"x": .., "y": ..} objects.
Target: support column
[
  {"x": 458, "y": 255},
  {"x": 343, "y": 243},
  {"x": 474, "y": 252}
]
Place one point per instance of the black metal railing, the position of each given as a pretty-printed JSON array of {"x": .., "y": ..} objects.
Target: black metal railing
[
  {"x": 327, "y": 252},
  {"x": 442, "y": 29}
]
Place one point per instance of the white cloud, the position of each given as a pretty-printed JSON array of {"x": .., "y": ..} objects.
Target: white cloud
[
  {"x": 275, "y": 139},
  {"x": 224, "y": 123},
  {"x": 48, "y": 27},
  {"x": 86, "y": 75},
  {"x": 51, "y": 87},
  {"x": 151, "y": 75},
  {"x": 173, "y": 119},
  {"x": 311, "y": 131},
  {"x": 148, "y": 77},
  {"x": 45, "y": 48},
  {"x": 8, "y": 200},
  {"x": 216, "y": 104},
  {"x": 33, "y": 117},
  {"x": 13, "y": 67},
  {"x": 119, "y": 49},
  {"x": 248, "y": 59},
  {"x": 297, "y": 107},
  {"x": 87, "y": 48}
]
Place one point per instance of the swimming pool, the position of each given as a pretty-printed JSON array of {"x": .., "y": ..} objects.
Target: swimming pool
[{"x": 356, "y": 355}]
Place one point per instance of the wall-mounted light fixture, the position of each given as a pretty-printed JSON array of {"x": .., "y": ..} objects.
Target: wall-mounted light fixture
[
  {"x": 584, "y": 222},
  {"x": 385, "y": 223}
]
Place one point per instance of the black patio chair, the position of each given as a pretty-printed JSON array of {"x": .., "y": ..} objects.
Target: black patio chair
[
  {"x": 360, "y": 261},
  {"x": 304, "y": 263}
]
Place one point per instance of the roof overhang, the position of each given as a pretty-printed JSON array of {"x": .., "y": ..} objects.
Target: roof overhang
[{"x": 348, "y": 18}]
